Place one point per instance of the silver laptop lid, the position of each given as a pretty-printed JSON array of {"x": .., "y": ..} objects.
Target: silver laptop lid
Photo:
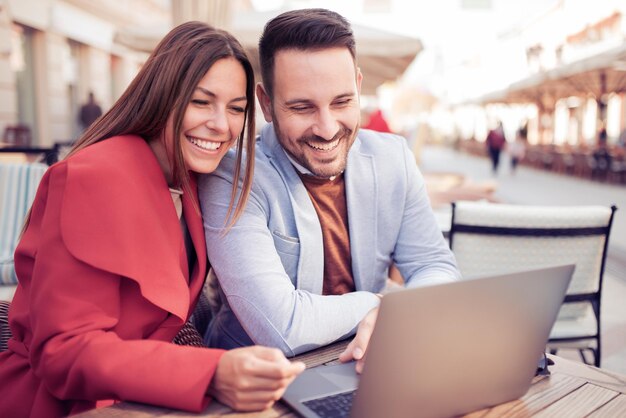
[{"x": 450, "y": 349}]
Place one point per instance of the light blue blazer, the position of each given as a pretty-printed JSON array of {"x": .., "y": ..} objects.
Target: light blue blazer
[{"x": 270, "y": 265}]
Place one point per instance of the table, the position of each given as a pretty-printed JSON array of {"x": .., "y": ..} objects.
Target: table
[
  {"x": 21, "y": 153},
  {"x": 444, "y": 188},
  {"x": 571, "y": 390}
]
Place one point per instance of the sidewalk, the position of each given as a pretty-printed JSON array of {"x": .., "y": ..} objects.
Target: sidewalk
[{"x": 532, "y": 186}]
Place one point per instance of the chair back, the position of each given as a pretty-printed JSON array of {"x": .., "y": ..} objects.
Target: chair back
[
  {"x": 5, "y": 331},
  {"x": 489, "y": 238},
  {"x": 18, "y": 186}
]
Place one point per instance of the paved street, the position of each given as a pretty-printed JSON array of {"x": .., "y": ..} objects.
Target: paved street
[{"x": 532, "y": 186}]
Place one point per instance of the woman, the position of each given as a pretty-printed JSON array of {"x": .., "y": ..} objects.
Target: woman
[{"x": 112, "y": 259}]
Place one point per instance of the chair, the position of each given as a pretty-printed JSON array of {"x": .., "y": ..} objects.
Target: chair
[
  {"x": 59, "y": 151},
  {"x": 188, "y": 335},
  {"x": 18, "y": 185},
  {"x": 617, "y": 172},
  {"x": 600, "y": 163},
  {"x": 17, "y": 135},
  {"x": 193, "y": 331},
  {"x": 489, "y": 238},
  {"x": 5, "y": 331},
  {"x": 581, "y": 165}
]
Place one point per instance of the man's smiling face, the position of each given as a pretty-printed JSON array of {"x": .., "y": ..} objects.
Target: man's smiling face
[{"x": 315, "y": 107}]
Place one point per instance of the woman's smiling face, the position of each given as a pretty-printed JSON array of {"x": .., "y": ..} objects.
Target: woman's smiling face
[
  {"x": 215, "y": 116},
  {"x": 213, "y": 120}
]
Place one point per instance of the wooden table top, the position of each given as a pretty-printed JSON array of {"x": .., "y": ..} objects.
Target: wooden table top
[{"x": 571, "y": 390}]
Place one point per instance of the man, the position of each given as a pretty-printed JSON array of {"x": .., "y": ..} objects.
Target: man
[
  {"x": 89, "y": 112},
  {"x": 495, "y": 143},
  {"x": 331, "y": 208},
  {"x": 376, "y": 122}
]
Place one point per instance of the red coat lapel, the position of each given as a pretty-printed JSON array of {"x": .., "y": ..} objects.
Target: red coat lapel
[{"x": 118, "y": 216}]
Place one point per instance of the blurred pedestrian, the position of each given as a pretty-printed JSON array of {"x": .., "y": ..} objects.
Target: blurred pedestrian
[
  {"x": 89, "y": 112},
  {"x": 377, "y": 122},
  {"x": 601, "y": 162},
  {"x": 495, "y": 144},
  {"x": 517, "y": 149},
  {"x": 621, "y": 140}
]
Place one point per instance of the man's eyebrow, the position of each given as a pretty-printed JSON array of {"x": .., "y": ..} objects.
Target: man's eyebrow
[
  {"x": 345, "y": 96},
  {"x": 306, "y": 101},
  {"x": 296, "y": 101},
  {"x": 212, "y": 95}
]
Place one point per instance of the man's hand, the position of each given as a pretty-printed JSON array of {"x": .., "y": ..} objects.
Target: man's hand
[
  {"x": 252, "y": 378},
  {"x": 357, "y": 348}
]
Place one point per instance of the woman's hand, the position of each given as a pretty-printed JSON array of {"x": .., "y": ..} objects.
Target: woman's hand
[
  {"x": 252, "y": 378},
  {"x": 357, "y": 348}
]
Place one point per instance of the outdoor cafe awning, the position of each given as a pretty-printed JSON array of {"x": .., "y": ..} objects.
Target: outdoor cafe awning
[
  {"x": 382, "y": 56},
  {"x": 592, "y": 76}
]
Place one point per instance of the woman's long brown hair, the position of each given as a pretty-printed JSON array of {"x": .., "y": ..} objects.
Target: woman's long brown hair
[{"x": 164, "y": 87}]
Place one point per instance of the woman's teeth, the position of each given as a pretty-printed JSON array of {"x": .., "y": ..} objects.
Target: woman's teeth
[{"x": 208, "y": 145}]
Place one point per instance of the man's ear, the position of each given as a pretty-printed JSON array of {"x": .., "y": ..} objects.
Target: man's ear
[
  {"x": 359, "y": 80},
  {"x": 264, "y": 101}
]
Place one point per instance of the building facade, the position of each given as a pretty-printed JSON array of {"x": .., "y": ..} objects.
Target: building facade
[
  {"x": 573, "y": 78},
  {"x": 54, "y": 52}
]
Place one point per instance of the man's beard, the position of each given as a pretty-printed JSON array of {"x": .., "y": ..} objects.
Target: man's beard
[{"x": 320, "y": 168}]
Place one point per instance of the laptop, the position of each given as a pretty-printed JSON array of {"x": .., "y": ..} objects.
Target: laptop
[{"x": 443, "y": 350}]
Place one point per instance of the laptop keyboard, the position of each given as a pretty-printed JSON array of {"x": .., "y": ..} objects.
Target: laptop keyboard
[{"x": 333, "y": 406}]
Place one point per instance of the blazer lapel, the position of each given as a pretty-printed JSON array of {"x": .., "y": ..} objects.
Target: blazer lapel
[
  {"x": 362, "y": 203},
  {"x": 310, "y": 275}
]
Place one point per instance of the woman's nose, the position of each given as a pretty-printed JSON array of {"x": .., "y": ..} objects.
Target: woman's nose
[{"x": 218, "y": 120}]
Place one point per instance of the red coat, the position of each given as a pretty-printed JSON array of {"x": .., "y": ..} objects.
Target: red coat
[{"x": 103, "y": 289}]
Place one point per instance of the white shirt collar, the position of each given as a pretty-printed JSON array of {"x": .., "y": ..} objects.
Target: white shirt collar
[{"x": 301, "y": 169}]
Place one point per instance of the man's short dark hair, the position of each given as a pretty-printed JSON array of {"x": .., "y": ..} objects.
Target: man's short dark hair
[{"x": 304, "y": 29}]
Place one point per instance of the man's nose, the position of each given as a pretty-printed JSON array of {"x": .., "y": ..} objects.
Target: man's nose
[{"x": 326, "y": 126}]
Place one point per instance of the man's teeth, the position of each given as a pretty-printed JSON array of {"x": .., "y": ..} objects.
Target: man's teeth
[
  {"x": 325, "y": 146},
  {"x": 208, "y": 145}
]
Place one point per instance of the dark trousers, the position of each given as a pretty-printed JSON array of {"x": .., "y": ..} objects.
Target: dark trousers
[{"x": 494, "y": 154}]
